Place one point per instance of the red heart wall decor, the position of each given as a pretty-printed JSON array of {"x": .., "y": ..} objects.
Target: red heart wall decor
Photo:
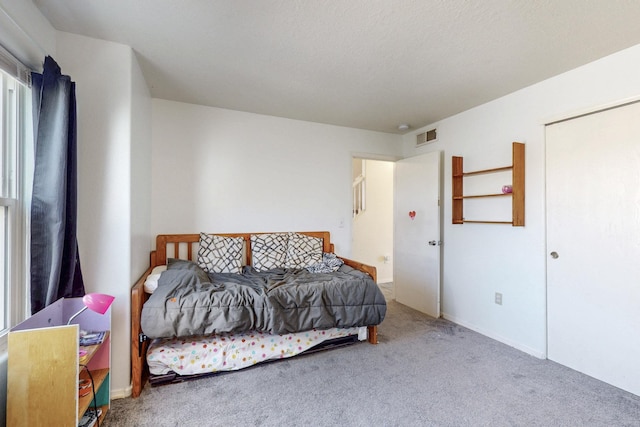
[{"x": 412, "y": 214}]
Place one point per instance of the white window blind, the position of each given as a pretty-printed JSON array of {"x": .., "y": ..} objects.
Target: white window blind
[
  {"x": 14, "y": 68},
  {"x": 16, "y": 169}
]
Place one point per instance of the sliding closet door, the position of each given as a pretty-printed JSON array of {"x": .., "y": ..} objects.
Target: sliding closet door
[{"x": 593, "y": 245}]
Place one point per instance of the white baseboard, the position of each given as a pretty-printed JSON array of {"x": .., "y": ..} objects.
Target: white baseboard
[
  {"x": 536, "y": 353},
  {"x": 121, "y": 393}
]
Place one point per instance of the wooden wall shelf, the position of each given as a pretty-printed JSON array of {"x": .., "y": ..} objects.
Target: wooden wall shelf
[{"x": 517, "y": 183}]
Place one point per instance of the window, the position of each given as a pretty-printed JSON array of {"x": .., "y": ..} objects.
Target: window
[{"x": 16, "y": 168}]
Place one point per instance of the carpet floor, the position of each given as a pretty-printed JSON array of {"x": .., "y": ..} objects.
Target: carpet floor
[{"x": 424, "y": 372}]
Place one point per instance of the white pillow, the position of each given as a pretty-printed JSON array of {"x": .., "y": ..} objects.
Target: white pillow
[
  {"x": 268, "y": 251},
  {"x": 303, "y": 251},
  {"x": 151, "y": 284}
]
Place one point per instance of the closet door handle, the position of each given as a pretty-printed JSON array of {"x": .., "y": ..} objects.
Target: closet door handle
[{"x": 554, "y": 255}]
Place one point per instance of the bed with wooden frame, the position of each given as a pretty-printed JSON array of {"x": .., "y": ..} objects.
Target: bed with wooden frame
[{"x": 184, "y": 246}]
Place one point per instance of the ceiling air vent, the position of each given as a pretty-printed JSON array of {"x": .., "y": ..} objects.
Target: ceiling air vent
[{"x": 426, "y": 137}]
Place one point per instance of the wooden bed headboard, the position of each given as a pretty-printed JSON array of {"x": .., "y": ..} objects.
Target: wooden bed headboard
[{"x": 185, "y": 246}]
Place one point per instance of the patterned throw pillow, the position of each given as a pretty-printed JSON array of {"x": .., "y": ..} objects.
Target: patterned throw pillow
[
  {"x": 268, "y": 251},
  {"x": 219, "y": 254},
  {"x": 303, "y": 251},
  {"x": 330, "y": 263}
]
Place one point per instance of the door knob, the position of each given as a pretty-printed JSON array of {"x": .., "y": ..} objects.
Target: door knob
[
  {"x": 554, "y": 255},
  {"x": 435, "y": 242}
]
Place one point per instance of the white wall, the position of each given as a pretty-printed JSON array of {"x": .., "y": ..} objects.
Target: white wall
[
  {"x": 218, "y": 170},
  {"x": 26, "y": 33},
  {"x": 111, "y": 184},
  {"x": 373, "y": 228},
  {"x": 140, "y": 172},
  {"x": 481, "y": 259}
]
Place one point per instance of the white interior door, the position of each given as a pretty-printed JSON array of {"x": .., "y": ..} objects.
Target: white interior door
[
  {"x": 593, "y": 244},
  {"x": 416, "y": 238}
]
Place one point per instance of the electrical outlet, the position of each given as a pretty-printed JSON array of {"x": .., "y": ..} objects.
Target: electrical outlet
[{"x": 498, "y": 298}]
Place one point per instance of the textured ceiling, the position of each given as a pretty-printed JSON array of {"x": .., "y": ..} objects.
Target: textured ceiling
[{"x": 369, "y": 64}]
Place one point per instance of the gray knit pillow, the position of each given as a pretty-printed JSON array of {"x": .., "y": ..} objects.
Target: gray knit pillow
[{"x": 219, "y": 254}]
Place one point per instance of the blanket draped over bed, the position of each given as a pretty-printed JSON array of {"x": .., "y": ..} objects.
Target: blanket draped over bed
[{"x": 189, "y": 301}]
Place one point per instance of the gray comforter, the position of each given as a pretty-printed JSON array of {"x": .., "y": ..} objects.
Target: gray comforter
[{"x": 189, "y": 301}]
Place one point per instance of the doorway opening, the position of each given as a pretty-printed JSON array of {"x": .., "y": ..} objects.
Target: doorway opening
[{"x": 372, "y": 218}]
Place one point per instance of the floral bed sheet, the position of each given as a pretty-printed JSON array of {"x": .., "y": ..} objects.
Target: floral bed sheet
[{"x": 230, "y": 352}]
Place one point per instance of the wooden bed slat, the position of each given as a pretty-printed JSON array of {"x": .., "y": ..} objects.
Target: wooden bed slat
[{"x": 159, "y": 256}]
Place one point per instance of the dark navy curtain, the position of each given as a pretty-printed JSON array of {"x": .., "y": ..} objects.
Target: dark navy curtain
[{"x": 55, "y": 264}]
